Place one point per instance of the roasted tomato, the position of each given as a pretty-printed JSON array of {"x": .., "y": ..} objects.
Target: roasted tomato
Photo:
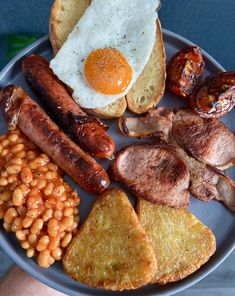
[
  {"x": 185, "y": 71},
  {"x": 215, "y": 97}
]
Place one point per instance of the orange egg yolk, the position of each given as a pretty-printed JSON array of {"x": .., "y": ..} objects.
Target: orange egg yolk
[{"x": 107, "y": 71}]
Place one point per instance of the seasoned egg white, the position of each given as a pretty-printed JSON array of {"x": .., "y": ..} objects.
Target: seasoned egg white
[{"x": 128, "y": 26}]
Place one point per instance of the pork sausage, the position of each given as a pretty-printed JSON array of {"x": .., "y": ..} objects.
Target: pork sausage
[
  {"x": 88, "y": 132},
  {"x": 19, "y": 109}
]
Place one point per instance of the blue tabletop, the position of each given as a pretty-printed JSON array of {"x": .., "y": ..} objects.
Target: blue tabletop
[{"x": 208, "y": 23}]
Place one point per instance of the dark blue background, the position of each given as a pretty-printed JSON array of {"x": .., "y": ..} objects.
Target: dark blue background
[{"x": 209, "y": 23}]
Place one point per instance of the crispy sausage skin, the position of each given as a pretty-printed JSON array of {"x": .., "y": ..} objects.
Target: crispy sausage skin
[
  {"x": 20, "y": 109},
  {"x": 88, "y": 132}
]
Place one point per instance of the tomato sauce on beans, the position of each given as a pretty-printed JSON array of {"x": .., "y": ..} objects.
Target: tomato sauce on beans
[{"x": 35, "y": 202}]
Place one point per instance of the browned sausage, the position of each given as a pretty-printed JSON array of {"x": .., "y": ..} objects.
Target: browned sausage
[
  {"x": 20, "y": 109},
  {"x": 88, "y": 132}
]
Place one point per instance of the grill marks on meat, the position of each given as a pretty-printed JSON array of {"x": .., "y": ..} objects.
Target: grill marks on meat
[
  {"x": 88, "y": 132},
  {"x": 207, "y": 182},
  {"x": 153, "y": 172},
  {"x": 203, "y": 178},
  {"x": 197, "y": 142},
  {"x": 207, "y": 140},
  {"x": 20, "y": 109}
]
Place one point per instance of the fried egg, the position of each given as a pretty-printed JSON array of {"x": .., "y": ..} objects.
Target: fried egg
[{"x": 107, "y": 50}]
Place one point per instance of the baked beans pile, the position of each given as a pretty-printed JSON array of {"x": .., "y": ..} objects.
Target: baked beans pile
[{"x": 35, "y": 202}]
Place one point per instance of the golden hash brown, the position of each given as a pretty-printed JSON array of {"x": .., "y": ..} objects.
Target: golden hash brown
[
  {"x": 111, "y": 249},
  {"x": 180, "y": 241}
]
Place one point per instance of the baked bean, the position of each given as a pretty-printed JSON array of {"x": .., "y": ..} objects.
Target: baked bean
[
  {"x": 51, "y": 176},
  {"x": 12, "y": 178},
  {"x": 13, "y": 138},
  {"x": 43, "y": 259},
  {"x": 13, "y": 169},
  {"x": 21, "y": 234},
  {"x": 32, "y": 239},
  {"x": 43, "y": 243},
  {"x": 68, "y": 212},
  {"x": 41, "y": 184},
  {"x": 25, "y": 245},
  {"x": 48, "y": 189},
  {"x": 30, "y": 155},
  {"x": 66, "y": 240},
  {"x": 59, "y": 205},
  {"x": 37, "y": 226},
  {"x": 6, "y": 226},
  {"x": 16, "y": 160},
  {"x": 67, "y": 222},
  {"x": 26, "y": 175},
  {"x": 35, "y": 202},
  {"x": 4, "y": 174},
  {"x": 17, "y": 148},
  {"x": 57, "y": 253},
  {"x": 53, "y": 227},
  {"x": 10, "y": 215},
  {"x": 27, "y": 222},
  {"x": 6, "y": 195},
  {"x": 5, "y": 152},
  {"x": 47, "y": 215},
  {"x": 21, "y": 154},
  {"x": 58, "y": 214},
  {"x": 52, "y": 166},
  {"x": 18, "y": 221},
  {"x": 33, "y": 213},
  {"x": 54, "y": 243},
  {"x": 24, "y": 188},
  {"x": 21, "y": 210},
  {"x": 3, "y": 182},
  {"x": 5, "y": 142},
  {"x": 18, "y": 197},
  {"x": 58, "y": 190},
  {"x": 30, "y": 252}
]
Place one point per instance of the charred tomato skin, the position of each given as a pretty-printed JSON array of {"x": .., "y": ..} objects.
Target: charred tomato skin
[
  {"x": 185, "y": 70},
  {"x": 215, "y": 96}
]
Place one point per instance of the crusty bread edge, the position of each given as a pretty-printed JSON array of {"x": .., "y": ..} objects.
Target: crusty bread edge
[
  {"x": 52, "y": 28},
  {"x": 160, "y": 93}
]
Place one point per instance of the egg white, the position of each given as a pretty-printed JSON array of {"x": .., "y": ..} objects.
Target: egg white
[{"x": 128, "y": 26}]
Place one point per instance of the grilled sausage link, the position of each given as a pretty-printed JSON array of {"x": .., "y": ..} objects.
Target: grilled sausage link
[
  {"x": 19, "y": 109},
  {"x": 88, "y": 132}
]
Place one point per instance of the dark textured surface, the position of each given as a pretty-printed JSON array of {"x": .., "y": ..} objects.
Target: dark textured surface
[{"x": 209, "y": 23}]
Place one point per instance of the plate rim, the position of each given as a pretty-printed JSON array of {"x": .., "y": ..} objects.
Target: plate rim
[{"x": 59, "y": 287}]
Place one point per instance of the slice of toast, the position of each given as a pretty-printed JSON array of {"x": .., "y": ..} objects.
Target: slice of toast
[
  {"x": 113, "y": 110},
  {"x": 181, "y": 242},
  {"x": 64, "y": 16},
  {"x": 111, "y": 250},
  {"x": 150, "y": 86},
  {"x": 148, "y": 89}
]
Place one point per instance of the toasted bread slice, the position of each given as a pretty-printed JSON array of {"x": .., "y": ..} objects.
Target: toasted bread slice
[
  {"x": 181, "y": 242},
  {"x": 113, "y": 110},
  {"x": 111, "y": 249},
  {"x": 149, "y": 87},
  {"x": 64, "y": 16}
]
